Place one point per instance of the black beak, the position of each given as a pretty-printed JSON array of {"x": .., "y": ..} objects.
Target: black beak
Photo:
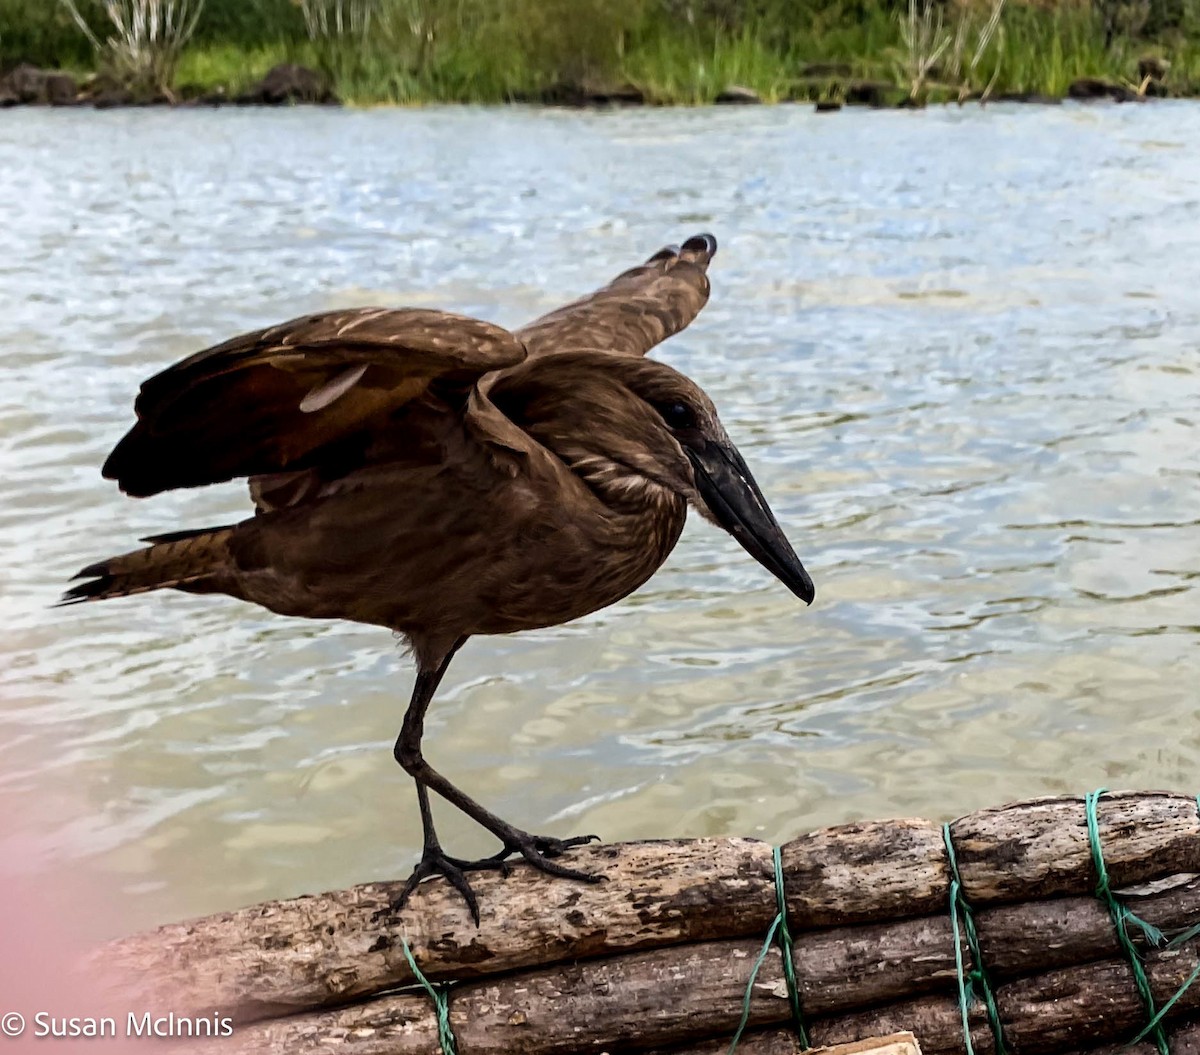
[{"x": 730, "y": 492}]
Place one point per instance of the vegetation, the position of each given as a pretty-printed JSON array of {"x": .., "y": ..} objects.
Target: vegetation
[
  {"x": 146, "y": 39},
  {"x": 672, "y": 51}
]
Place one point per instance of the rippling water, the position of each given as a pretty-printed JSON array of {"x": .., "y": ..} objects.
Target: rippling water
[{"x": 958, "y": 347}]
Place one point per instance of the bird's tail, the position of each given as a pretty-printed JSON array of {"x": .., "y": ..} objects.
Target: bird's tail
[{"x": 174, "y": 560}]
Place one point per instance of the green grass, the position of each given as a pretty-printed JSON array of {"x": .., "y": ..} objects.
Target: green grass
[
  {"x": 691, "y": 68},
  {"x": 498, "y": 50},
  {"x": 1044, "y": 51},
  {"x": 204, "y": 67}
]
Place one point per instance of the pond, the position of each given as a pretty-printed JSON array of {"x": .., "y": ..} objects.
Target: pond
[{"x": 958, "y": 348}]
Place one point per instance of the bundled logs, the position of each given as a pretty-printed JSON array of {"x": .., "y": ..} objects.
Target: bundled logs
[{"x": 659, "y": 957}]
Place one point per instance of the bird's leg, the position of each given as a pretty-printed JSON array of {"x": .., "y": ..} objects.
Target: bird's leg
[
  {"x": 538, "y": 850},
  {"x": 435, "y": 861}
]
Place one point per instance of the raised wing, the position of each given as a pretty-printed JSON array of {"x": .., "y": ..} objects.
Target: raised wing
[
  {"x": 280, "y": 398},
  {"x": 635, "y": 311}
]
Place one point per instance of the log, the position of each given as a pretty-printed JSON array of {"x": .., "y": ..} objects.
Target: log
[
  {"x": 1039, "y": 935},
  {"x": 654, "y": 999},
  {"x": 785, "y": 1042},
  {"x": 1039, "y": 848},
  {"x": 1076, "y": 1007},
  {"x": 284, "y": 956},
  {"x": 1184, "y": 1039},
  {"x": 317, "y": 952}
]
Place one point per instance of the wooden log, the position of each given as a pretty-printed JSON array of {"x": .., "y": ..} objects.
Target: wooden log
[
  {"x": 1040, "y": 935},
  {"x": 785, "y": 1042},
  {"x": 651, "y": 1000},
  {"x": 318, "y": 952},
  {"x": 311, "y": 952},
  {"x": 1184, "y": 1039},
  {"x": 1025, "y": 850},
  {"x": 1078, "y": 1007},
  {"x": 1039, "y": 848},
  {"x": 838, "y": 970},
  {"x": 859, "y": 872}
]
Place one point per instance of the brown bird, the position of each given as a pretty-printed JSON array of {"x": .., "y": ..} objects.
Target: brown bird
[{"x": 443, "y": 477}]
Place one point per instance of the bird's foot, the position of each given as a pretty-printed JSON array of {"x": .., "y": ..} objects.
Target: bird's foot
[
  {"x": 541, "y": 851},
  {"x": 517, "y": 842},
  {"x": 538, "y": 850},
  {"x": 434, "y": 861}
]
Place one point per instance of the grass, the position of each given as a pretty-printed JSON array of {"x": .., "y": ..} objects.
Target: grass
[
  {"x": 673, "y": 51},
  {"x": 236, "y": 68}
]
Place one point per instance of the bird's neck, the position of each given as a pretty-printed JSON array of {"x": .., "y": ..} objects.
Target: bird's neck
[{"x": 621, "y": 487}]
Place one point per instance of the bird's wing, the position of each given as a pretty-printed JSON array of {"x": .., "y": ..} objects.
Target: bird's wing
[
  {"x": 635, "y": 311},
  {"x": 283, "y": 398}
]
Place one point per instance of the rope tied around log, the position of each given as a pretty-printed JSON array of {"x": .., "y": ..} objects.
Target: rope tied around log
[
  {"x": 974, "y": 983},
  {"x": 1121, "y": 916},
  {"x": 439, "y": 994},
  {"x": 778, "y": 931}
]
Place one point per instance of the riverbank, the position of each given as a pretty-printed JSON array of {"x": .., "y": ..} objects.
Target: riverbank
[
  {"x": 291, "y": 84},
  {"x": 653, "y": 52}
]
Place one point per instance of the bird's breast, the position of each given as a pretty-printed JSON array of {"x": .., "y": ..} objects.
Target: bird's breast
[{"x": 568, "y": 567}]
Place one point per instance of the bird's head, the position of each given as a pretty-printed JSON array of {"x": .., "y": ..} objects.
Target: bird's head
[{"x": 635, "y": 430}]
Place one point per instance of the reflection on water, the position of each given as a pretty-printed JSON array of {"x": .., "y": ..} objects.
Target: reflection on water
[{"x": 958, "y": 348}]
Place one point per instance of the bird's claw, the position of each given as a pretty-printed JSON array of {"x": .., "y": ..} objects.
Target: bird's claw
[
  {"x": 548, "y": 846},
  {"x": 540, "y": 851},
  {"x": 435, "y": 862}
]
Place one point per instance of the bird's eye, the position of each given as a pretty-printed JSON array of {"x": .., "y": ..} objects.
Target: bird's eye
[{"x": 677, "y": 415}]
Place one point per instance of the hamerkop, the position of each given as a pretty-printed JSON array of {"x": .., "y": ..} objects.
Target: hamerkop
[{"x": 443, "y": 477}]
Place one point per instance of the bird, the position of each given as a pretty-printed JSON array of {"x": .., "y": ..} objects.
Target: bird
[{"x": 445, "y": 478}]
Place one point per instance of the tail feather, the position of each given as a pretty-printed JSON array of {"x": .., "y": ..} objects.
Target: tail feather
[{"x": 180, "y": 558}]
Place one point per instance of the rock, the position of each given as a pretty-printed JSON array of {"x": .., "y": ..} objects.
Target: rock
[
  {"x": 869, "y": 93},
  {"x": 27, "y": 83},
  {"x": 106, "y": 98},
  {"x": 61, "y": 89},
  {"x": 290, "y": 83},
  {"x": 828, "y": 106},
  {"x": 736, "y": 95},
  {"x": 571, "y": 93},
  {"x": 1090, "y": 88}
]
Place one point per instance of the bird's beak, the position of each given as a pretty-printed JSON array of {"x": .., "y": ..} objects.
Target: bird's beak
[{"x": 729, "y": 491}]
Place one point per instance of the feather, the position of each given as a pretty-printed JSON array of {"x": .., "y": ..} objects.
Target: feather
[{"x": 322, "y": 395}]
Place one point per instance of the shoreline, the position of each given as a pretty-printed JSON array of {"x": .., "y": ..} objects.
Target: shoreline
[{"x": 289, "y": 84}]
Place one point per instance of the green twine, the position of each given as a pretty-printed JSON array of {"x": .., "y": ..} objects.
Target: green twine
[
  {"x": 1121, "y": 916},
  {"x": 976, "y": 981},
  {"x": 777, "y": 930},
  {"x": 441, "y": 1002}
]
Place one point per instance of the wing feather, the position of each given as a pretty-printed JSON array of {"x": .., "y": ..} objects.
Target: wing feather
[
  {"x": 637, "y": 310},
  {"x": 281, "y": 398}
]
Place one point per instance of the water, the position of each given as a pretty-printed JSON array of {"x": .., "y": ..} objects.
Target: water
[{"x": 958, "y": 348}]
